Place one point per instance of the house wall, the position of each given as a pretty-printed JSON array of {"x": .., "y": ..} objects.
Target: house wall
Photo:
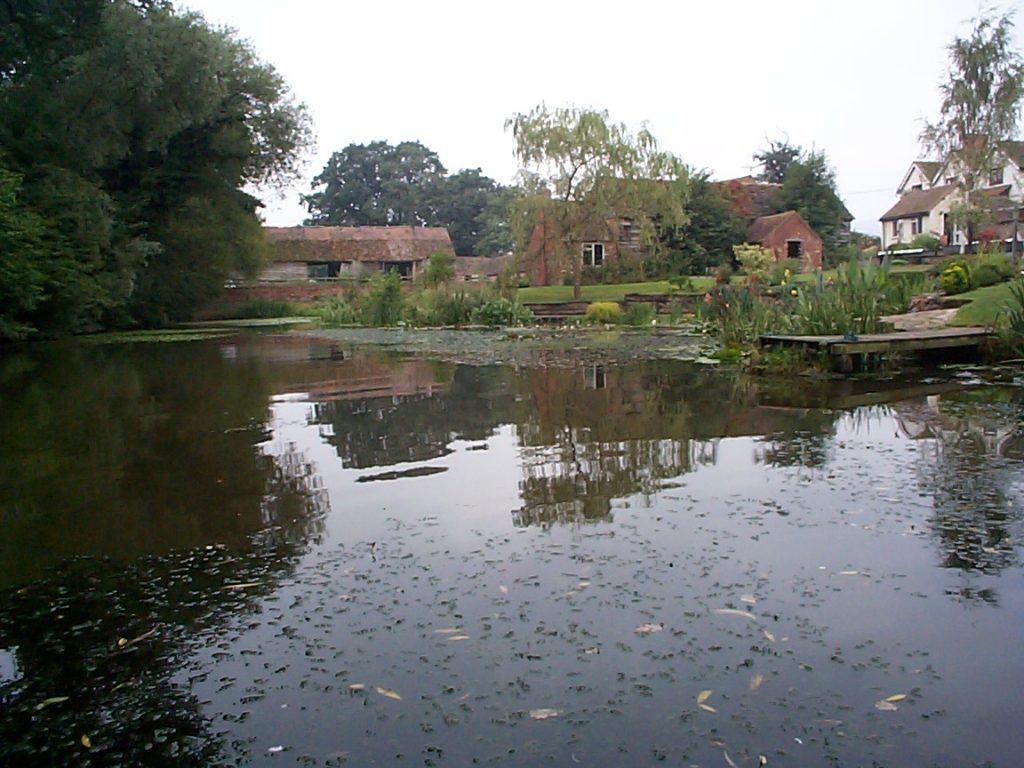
[
  {"x": 795, "y": 229},
  {"x": 544, "y": 262},
  {"x": 916, "y": 177},
  {"x": 933, "y": 224}
]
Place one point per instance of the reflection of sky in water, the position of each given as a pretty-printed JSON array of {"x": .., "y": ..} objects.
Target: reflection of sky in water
[{"x": 8, "y": 666}]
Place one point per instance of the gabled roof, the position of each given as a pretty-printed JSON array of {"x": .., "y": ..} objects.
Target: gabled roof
[
  {"x": 762, "y": 227},
  {"x": 356, "y": 243},
  {"x": 927, "y": 167},
  {"x": 917, "y": 202}
]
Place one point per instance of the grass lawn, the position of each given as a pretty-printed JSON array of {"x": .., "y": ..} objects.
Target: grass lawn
[{"x": 986, "y": 304}]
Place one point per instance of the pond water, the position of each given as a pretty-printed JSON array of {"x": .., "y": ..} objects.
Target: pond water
[{"x": 290, "y": 550}]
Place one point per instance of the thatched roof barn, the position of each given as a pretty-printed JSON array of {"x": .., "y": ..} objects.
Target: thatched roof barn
[{"x": 325, "y": 252}]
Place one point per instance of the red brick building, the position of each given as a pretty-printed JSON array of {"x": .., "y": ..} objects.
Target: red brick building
[{"x": 788, "y": 236}]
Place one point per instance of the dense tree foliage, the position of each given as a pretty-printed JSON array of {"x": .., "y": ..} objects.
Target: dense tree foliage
[
  {"x": 579, "y": 168},
  {"x": 775, "y": 160},
  {"x": 380, "y": 184},
  {"x": 706, "y": 239},
  {"x": 809, "y": 188},
  {"x": 128, "y": 132}
]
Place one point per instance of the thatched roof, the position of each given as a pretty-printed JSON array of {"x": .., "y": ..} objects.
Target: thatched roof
[
  {"x": 373, "y": 244},
  {"x": 750, "y": 198}
]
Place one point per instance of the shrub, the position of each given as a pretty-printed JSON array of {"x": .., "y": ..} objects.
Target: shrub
[
  {"x": 755, "y": 260},
  {"x": 984, "y": 275},
  {"x": 926, "y": 242},
  {"x": 603, "y": 312},
  {"x": 639, "y": 313},
  {"x": 441, "y": 306},
  {"x": 502, "y": 311},
  {"x": 998, "y": 261},
  {"x": 440, "y": 269},
  {"x": 336, "y": 311},
  {"x": 382, "y": 303},
  {"x": 955, "y": 279},
  {"x": 724, "y": 273}
]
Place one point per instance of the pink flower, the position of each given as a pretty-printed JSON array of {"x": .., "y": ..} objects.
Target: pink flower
[{"x": 707, "y": 298}]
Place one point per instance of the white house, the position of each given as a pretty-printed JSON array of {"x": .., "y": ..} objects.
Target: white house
[{"x": 929, "y": 191}]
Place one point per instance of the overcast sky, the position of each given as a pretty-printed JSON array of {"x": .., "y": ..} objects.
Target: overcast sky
[{"x": 712, "y": 78}]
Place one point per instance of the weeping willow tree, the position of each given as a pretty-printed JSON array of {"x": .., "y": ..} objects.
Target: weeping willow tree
[
  {"x": 981, "y": 103},
  {"x": 578, "y": 170}
]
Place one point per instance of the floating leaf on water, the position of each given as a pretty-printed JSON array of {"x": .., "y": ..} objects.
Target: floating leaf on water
[
  {"x": 728, "y": 759},
  {"x": 52, "y": 700},
  {"x": 849, "y": 573},
  {"x": 387, "y": 693},
  {"x": 762, "y": 760},
  {"x": 248, "y": 585},
  {"x": 896, "y": 697},
  {"x": 503, "y": 589},
  {"x": 86, "y": 741},
  {"x": 886, "y": 706},
  {"x": 122, "y": 642},
  {"x": 583, "y": 585},
  {"x": 357, "y": 687},
  {"x": 734, "y": 612},
  {"x": 646, "y": 629},
  {"x": 703, "y": 696},
  {"x": 768, "y": 636},
  {"x": 275, "y": 750},
  {"x": 458, "y": 637},
  {"x": 543, "y": 714},
  {"x": 592, "y": 651},
  {"x": 447, "y": 631},
  {"x": 707, "y": 708},
  {"x": 749, "y": 599},
  {"x": 756, "y": 680}
]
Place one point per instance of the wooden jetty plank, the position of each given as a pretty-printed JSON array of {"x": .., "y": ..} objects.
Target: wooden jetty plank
[{"x": 843, "y": 349}]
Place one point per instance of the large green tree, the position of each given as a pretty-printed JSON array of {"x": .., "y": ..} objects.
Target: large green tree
[
  {"x": 579, "y": 169},
  {"x": 775, "y": 160},
  {"x": 707, "y": 238},
  {"x": 809, "y": 188},
  {"x": 377, "y": 184},
  {"x": 133, "y": 129},
  {"x": 383, "y": 184},
  {"x": 982, "y": 96}
]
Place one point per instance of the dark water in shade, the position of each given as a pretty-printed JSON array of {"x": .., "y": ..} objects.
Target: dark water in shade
[{"x": 205, "y": 546}]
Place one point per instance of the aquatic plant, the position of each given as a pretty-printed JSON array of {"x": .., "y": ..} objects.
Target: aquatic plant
[{"x": 502, "y": 312}]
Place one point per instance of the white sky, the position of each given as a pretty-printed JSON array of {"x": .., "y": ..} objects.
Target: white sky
[{"x": 712, "y": 78}]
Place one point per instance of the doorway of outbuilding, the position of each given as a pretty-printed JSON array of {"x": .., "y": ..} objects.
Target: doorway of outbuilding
[{"x": 794, "y": 249}]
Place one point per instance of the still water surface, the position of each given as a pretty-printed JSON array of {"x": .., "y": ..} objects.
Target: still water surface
[{"x": 281, "y": 550}]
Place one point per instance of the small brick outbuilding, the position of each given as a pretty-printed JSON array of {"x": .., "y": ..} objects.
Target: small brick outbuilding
[{"x": 788, "y": 236}]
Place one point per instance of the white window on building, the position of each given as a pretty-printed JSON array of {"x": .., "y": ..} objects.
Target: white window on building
[
  {"x": 593, "y": 254},
  {"x": 896, "y": 230}
]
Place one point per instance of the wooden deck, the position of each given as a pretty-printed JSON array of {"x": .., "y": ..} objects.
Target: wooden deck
[{"x": 843, "y": 349}]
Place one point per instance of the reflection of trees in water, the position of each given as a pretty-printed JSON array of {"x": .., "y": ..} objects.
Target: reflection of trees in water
[
  {"x": 113, "y": 639},
  {"x": 970, "y": 461},
  {"x": 398, "y": 426},
  {"x": 119, "y": 452}
]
